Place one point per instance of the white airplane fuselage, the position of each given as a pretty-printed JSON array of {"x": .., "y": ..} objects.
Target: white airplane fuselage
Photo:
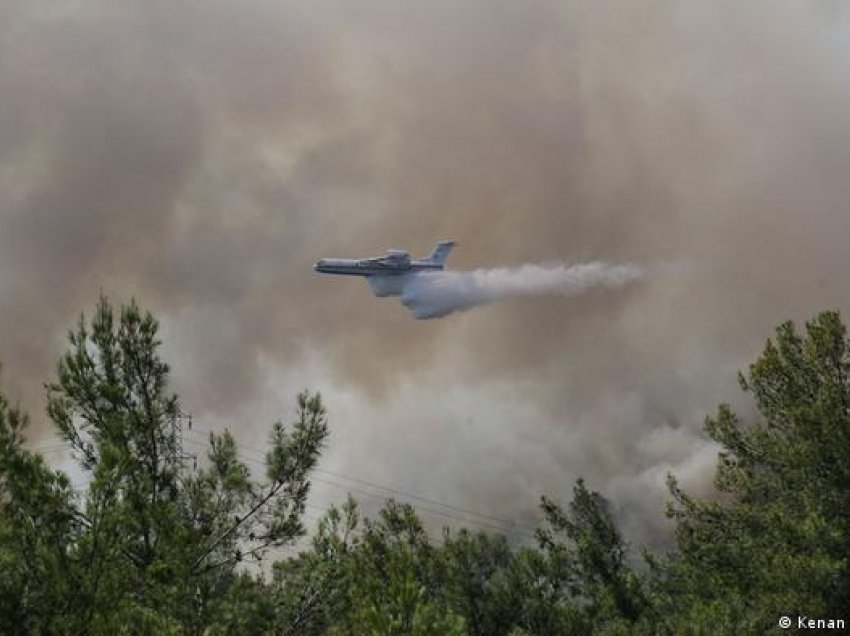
[{"x": 387, "y": 275}]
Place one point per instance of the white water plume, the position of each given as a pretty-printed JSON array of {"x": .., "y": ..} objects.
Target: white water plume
[{"x": 437, "y": 294}]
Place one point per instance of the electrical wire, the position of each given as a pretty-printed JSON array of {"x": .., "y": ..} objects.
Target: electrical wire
[{"x": 503, "y": 524}]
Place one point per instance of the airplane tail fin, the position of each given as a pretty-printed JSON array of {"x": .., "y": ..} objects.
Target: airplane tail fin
[{"x": 441, "y": 252}]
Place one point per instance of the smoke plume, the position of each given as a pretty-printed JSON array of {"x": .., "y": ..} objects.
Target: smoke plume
[
  {"x": 201, "y": 155},
  {"x": 437, "y": 294}
]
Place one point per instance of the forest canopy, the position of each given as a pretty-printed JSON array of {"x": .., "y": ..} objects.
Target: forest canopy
[{"x": 156, "y": 545}]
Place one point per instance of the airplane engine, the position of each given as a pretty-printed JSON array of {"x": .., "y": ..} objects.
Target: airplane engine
[{"x": 389, "y": 285}]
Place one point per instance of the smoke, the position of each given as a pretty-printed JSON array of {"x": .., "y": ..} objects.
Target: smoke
[
  {"x": 437, "y": 294},
  {"x": 201, "y": 155}
]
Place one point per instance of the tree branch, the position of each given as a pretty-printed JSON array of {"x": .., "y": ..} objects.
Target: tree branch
[{"x": 274, "y": 490}]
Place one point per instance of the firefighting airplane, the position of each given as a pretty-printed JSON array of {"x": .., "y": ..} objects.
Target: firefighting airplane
[{"x": 387, "y": 275}]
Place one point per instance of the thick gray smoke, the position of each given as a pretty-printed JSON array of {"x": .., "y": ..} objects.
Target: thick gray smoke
[
  {"x": 437, "y": 294},
  {"x": 201, "y": 155}
]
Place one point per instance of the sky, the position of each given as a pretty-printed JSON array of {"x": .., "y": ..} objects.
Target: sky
[{"x": 200, "y": 156}]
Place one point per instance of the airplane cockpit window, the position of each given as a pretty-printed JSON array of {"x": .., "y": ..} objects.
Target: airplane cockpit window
[{"x": 398, "y": 257}]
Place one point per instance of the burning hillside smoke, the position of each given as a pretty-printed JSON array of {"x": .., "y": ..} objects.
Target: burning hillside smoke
[
  {"x": 437, "y": 294},
  {"x": 200, "y": 155}
]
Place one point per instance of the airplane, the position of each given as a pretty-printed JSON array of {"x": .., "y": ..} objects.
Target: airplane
[{"x": 387, "y": 275}]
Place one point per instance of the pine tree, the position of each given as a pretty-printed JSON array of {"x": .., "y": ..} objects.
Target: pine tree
[
  {"x": 150, "y": 546},
  {"x": 777, "y": 543}
]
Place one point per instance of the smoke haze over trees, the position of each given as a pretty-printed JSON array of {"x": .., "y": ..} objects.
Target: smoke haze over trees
[
  {"x": 201, "y": 155},
  {"x": 154, "y": 545}
]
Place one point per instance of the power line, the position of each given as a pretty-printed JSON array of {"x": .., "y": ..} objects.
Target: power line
[
  {"x": 506, "y": 524},
  {"x": 483, "y": 520},
  {"x": 394, "y": 491},
  {"x": 80, "y": 490},
  {"x": 421, "y": 508},
  {"x": 506, "y": 527}
]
